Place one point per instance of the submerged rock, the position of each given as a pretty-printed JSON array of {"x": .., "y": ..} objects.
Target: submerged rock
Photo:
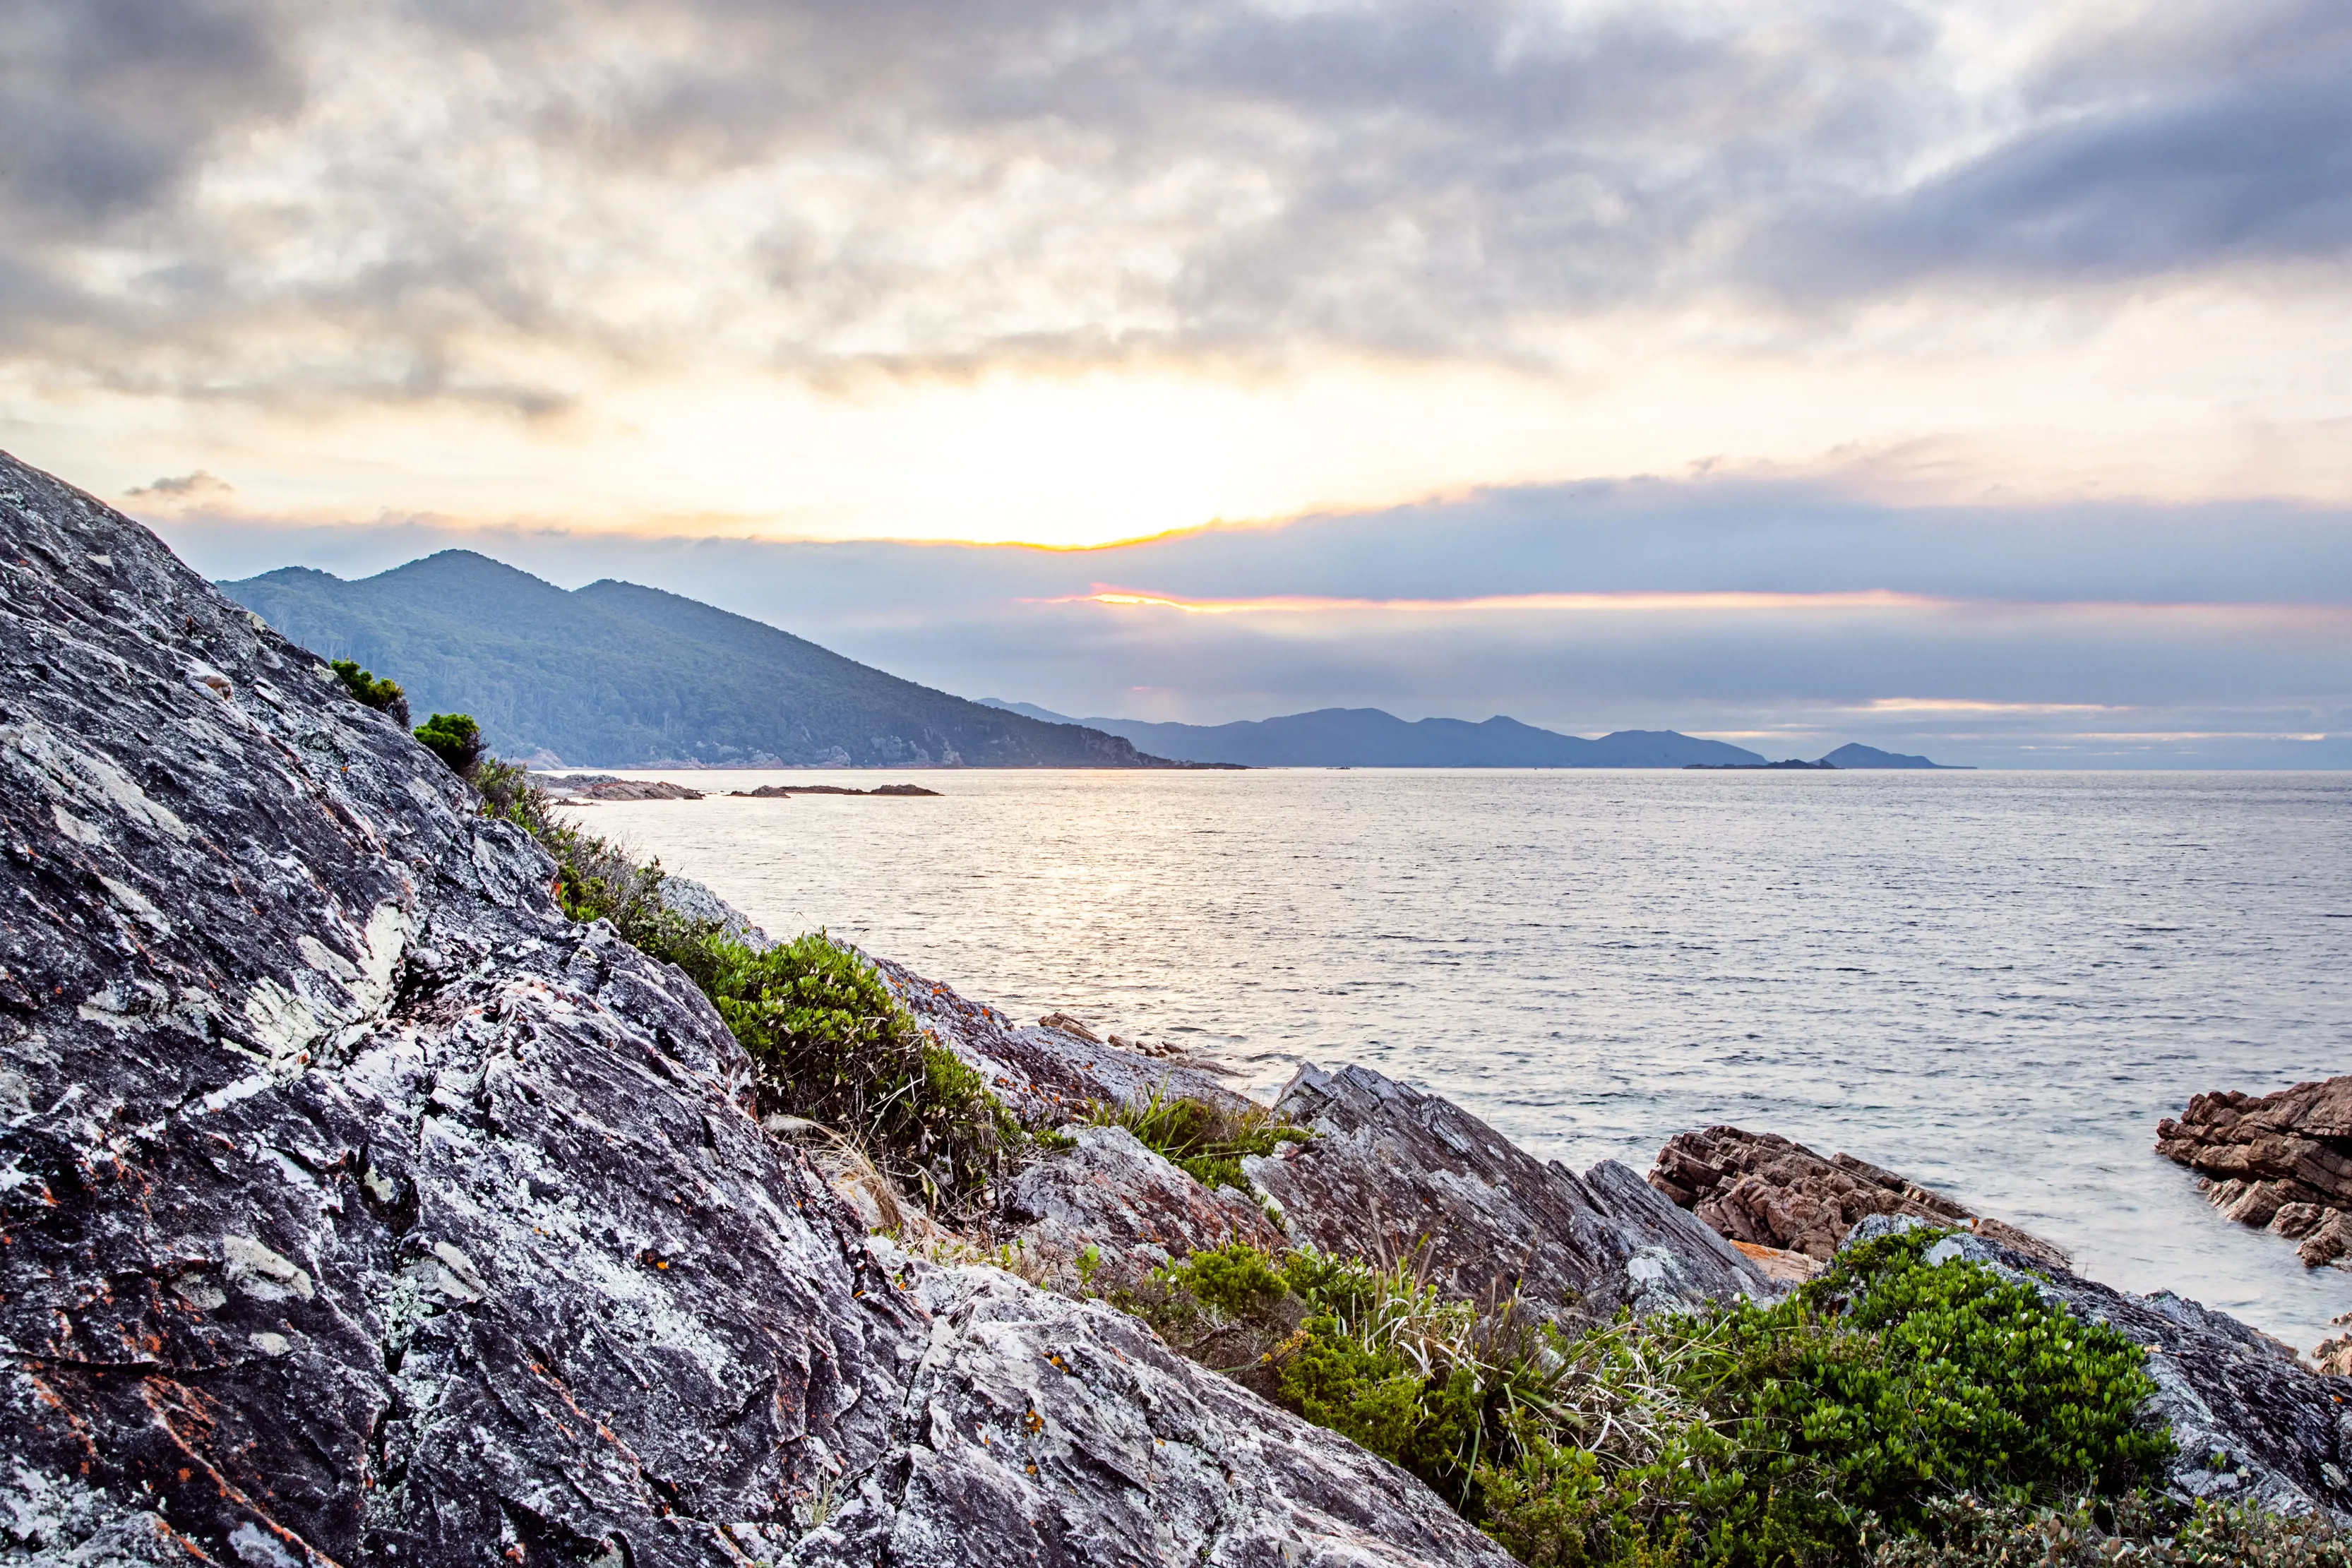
[
  {"x": 1397, "y": 1173},
  {"x": 359, "y": 1208},
  {"x": 2280, "y": 1162},
  {"x": 1762, "y": 1190}
]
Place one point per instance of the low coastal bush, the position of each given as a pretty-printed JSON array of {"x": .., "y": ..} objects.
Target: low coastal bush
[
  {"x": 1967, "y": 1533},
  {"x": 385, "y": 696},
  {"x": 455, "y": 739},
  {"x": 835, "y": 1045},
  {"x": 1743, "y": 1437},
  {"x": 832, "y": 1045},
  {"x": 1206, "y": 1139}
]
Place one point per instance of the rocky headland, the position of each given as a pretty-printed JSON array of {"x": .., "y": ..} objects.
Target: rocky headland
[{"x": 358, "y": 1205}]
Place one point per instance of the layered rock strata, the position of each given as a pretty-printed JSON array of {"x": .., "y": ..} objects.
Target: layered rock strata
[
  {"x": 2280, "y": 1162},
  {"x": 1395, "y": 1174},
  {"x": 1764, "y": 1191},
  {"x": 357, "y": 1206}
]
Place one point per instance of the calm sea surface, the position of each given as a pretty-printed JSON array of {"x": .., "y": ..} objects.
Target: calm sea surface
[{"x": 1994, "y": 983}]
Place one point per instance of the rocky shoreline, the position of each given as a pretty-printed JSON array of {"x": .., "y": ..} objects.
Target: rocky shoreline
[
  {"x": 360, "y": 1205},
  {"x": 2281, "y": 1163}
]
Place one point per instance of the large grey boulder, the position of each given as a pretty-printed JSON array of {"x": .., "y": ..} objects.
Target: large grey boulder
[
  {"x": 356, "y": 1206},
  {"x": 1395, "y": 1174},
  {"x": 1033, "y": 1430}
]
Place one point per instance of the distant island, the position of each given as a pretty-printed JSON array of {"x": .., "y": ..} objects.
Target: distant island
[
  {"x": 1855, "y": 755},
  {"x": 616, "y": 675},
  {"x": 1372, "y": 737}
]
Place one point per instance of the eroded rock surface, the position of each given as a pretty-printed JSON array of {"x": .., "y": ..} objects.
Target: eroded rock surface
[
  {"x": 2250, "y": 1422},
  {"x": 1763, "y": 1189},
  {"x": 1044, "y": 1072},
  {"x": 1132, "y": 1208},
  {"x": 356, "y": 1206},
  {"x": 2280, "y": 1162},
  {"x": 1395, "y": 1173},
  {"x": 1032, "y": 1425}
]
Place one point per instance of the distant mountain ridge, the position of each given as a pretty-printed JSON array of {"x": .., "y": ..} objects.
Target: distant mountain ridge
[
  {"x": 616, "y": 675},
  {"x": 1374, "y": 738}
]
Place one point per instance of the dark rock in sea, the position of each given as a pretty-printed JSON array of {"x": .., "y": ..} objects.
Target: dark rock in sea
[
  {"x": 641, "y": 789},
  {"x": 778, "y": 791},
  {"x": 1763, "y": 1190},
  {"x": 361, "y": 1207},
  {"x": 1789, "y": 764},
  {"x": 1398, "y": 1174},
  {"x": 2281, "y": 1162},
  {"x": 2250, "y": 1422},
  {"x": 565, "y": 787}
]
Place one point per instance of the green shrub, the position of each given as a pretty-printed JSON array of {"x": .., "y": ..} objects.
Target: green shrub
[
  {"x": 833, "y": 1045},
  {"x": 1369, "y": 1351},
  {"x": 1967, "y": 1533},
  {"x": 455, "y": 739},
  {"x": 385, "y": 696},
  {"x": 1741, "y": 1436},
  {"x": 1206, "y": 1139},
  {"x": 1875, "y": 1392},
  {"x": 831, "y": 1041}
]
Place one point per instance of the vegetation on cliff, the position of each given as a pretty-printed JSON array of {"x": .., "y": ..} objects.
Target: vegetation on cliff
[
  {"x": 1746, "y": 1437},
  {"x": 1204, "y": 1138},
  {"x": 385, "y": 696},
  {"x": 833, "y": 1044}
]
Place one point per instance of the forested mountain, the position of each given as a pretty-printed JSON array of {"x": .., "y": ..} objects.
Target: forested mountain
[
  {"x": 615, "y": 676},
  {"x": 1371, "y": 738}
]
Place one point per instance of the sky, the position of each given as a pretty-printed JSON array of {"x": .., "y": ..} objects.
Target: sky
[{"x": 1969, "y": 376}]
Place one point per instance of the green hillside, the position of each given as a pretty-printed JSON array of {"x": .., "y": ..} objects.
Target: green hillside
[{"x": 614, "y": 676}]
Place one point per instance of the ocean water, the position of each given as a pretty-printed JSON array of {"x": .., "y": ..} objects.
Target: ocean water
[{"x": 1994, "y": 983}]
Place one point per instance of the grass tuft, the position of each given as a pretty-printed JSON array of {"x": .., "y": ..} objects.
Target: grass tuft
[{"x": 1206, "y": 1139}]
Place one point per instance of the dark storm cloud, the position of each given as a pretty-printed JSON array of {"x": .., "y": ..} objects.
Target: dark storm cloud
[{"x": 107, "y": 106}]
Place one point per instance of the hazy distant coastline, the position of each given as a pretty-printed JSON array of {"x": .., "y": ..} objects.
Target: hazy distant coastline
[{"x": 1372, "y": 737}]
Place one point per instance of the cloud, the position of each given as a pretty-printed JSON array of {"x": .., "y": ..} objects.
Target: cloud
[
  {"x": 198, "y": 489},
  {"x": 501, "y": 203}
]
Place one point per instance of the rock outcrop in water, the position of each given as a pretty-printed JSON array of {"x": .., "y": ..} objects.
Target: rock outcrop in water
[
  {"x": 1762, "y": 1190},
  {"x": 359, "y": 1208},
  {"x": 2280, "y": 1162}
]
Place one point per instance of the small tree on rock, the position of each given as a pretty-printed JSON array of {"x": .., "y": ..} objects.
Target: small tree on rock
[{"x": 455, "y": 739}]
